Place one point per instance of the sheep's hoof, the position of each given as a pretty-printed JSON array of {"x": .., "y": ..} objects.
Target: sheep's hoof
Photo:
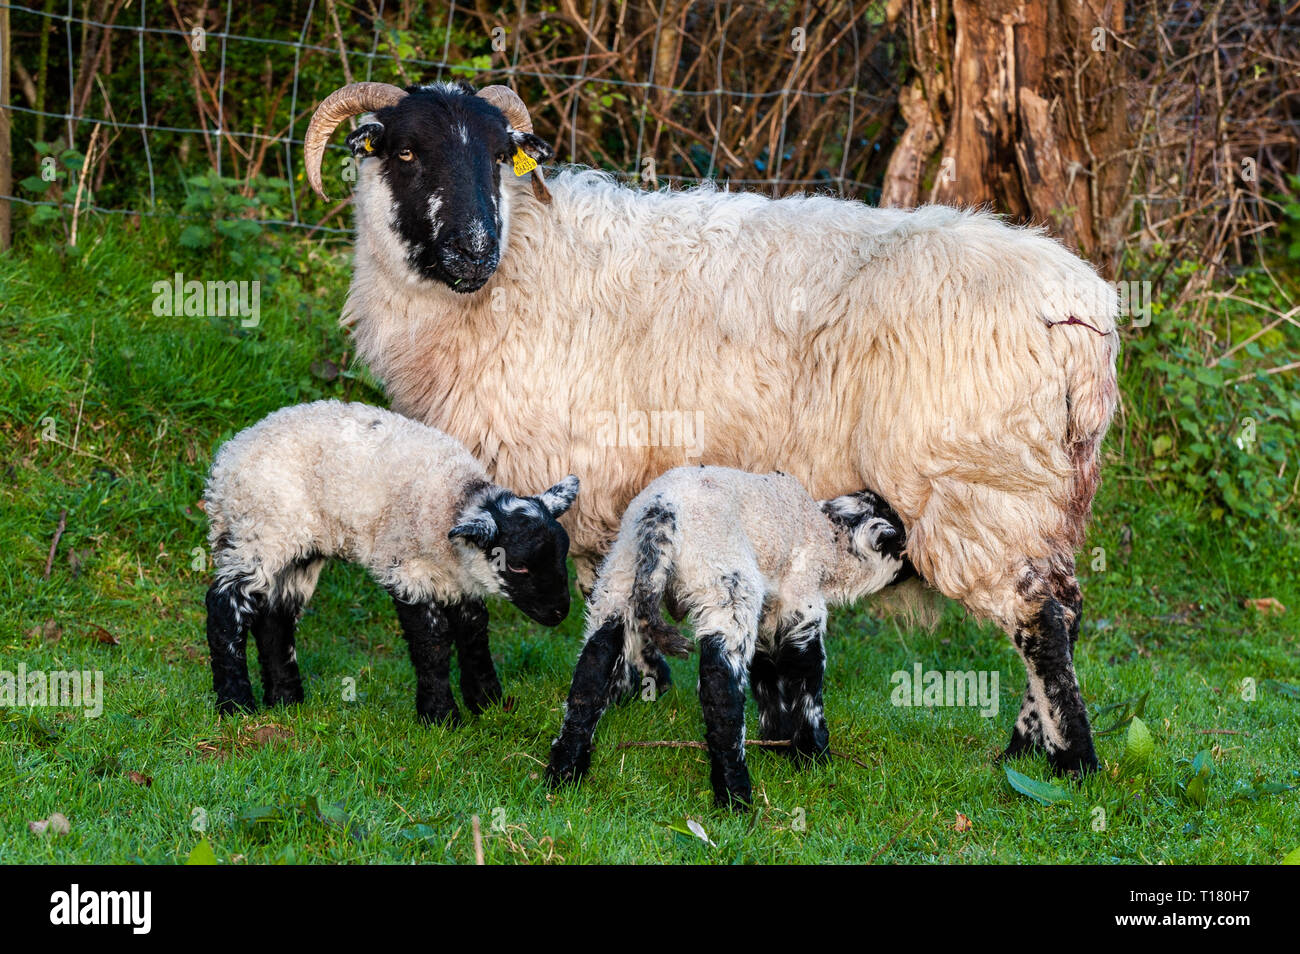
[
  {"x": 1076, "y": 761},
  {"x": 283, "y": 697}
]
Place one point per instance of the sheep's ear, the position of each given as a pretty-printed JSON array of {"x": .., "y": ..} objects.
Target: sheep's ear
[
  {"x": 559, "y": 498},
  {"x": 477, "y": 527},
  {"x": 878, "y": 535},
  {"x": 366, "y": 140},
  {"x": 534, "y": 146}
]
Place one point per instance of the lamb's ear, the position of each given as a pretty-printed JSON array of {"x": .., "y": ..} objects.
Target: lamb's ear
[
  {"x": 476, "y": 527},
  {"x": 559, "y": 498},
  {"x": 879, "y": 535}
]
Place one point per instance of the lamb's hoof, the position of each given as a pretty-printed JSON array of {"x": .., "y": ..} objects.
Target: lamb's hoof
[
  {"x": 567, "y": 765},
  {"x": 283, "y": 697},
  {"x": 810, "y": 746},
  {"x": 479, "y": 700},
  {"x": 448, "y": 718},
  {"x": 739, "y": 800},
  {"x": 243, "y": 705}
]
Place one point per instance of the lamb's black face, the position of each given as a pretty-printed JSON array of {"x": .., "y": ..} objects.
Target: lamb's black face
[
  {"x": 532, "y": 569},
  {"x": 525, "y": 548},
  {"x": 442, "y": 150}
]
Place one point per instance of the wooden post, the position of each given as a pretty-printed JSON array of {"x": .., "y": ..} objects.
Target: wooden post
[{"x": 6, "y": 146}]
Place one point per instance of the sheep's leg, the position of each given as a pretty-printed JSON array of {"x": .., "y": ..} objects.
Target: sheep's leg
[
  {"x": 479, "y": 684},
  {"x": 722, "y": 697},
  {"x": 1045, "y": 636},
  {"x": 425, "y": 626},
  {"x": 599, "y": 666},
  {"x": 230, "y": 608},
  {"x": 1027, "y": 736},
  {"x": 273, "y": 629}
]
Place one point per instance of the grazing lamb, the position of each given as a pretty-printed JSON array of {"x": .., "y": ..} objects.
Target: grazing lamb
[
  {"x": 405, "y": 501},
  {"x": 962, "y": 368},
  {"x": 754, "y": 561}
]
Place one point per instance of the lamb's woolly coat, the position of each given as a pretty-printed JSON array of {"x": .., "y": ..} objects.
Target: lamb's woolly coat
[
  {"x": 330, "y": 479},
  {"x": 744, "y": 554},
  {"x": 921, "y": 353}
]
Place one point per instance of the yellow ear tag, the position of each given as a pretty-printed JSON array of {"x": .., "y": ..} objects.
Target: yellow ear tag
[
  {"x": 524, "y": 163},
  {"x": 368, "y": 147}
]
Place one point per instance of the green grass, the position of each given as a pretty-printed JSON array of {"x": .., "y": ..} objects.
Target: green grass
[{"x": 146, "y": 400}]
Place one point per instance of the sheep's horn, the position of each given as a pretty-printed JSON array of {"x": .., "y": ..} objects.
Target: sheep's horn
[
  {"x": 516, "y": 113},
  {"x": 350, "y": 100}
]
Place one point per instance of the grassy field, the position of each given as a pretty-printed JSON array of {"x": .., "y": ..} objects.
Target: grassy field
[{"x": 111, "y": 414}]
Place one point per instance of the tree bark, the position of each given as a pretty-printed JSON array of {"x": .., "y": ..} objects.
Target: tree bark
[{"x": 1036, "y": 119}]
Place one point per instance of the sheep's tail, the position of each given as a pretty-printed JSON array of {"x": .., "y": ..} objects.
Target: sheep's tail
[
  {"x": 656, "y": 550},
  {"x": 1089, "y": 345}
]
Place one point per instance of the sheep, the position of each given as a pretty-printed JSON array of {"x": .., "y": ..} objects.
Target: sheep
[
  {"x": 961, "y": 367},
  {"x": 754, "y": 561},
  {"x": 407, "y": 502}
]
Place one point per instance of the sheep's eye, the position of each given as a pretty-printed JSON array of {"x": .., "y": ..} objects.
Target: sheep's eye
[
  {"x": 516, "y": 569},
  {"x": 406, "y": 155}
]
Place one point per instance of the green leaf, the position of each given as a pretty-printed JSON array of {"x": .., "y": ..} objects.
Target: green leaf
[
  {"x": 202, "y": 854},
  {"x": 1043, "y": 792},
  {"x": 195, "y": 236},
  {"x": 1128, "y": 710},
  {"x": 1161, "y": 445},
  {"x": 1284, "y": 688},
  {"x": 1293, "y": 857},
  {"x": 1138, "y": 744}
]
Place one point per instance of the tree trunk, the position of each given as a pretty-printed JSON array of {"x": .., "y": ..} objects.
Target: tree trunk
[{"x": 1035, "y": 123}]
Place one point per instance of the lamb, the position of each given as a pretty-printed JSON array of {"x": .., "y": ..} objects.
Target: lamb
[
  {"x": 962, "y": 368},
  {"x": 407, "y": 502},
  {"x": 754, "y": 561}
]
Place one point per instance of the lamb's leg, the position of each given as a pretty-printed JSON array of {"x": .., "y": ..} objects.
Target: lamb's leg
[
  {"x": 764, "y": 682},
  {"x": 230, "y": 608},
  {"x": 801, "y": 668},
  {"x": 1027, "y": 736},
  {"x": 273, "y": 629},
  {"x": 722, "y": 697},
  {"x": 425, "y": 626},
  {"x": 479, "y": 684},
  {"x": 1045, "y": 634},
  {"x": 599, "y": 665}
]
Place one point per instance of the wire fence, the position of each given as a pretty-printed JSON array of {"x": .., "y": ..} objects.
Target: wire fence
[
  {"x": 374, "y": 43},
  {"x": 123, "y": 101}
]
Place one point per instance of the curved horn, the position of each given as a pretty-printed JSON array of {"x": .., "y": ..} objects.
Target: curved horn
[
  {"x": 516, "y": 113},
  {"x": 350, "y": 100}
]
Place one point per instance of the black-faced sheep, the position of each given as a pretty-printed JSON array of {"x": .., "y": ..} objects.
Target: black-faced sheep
[
  {"x": 407, "y": 502},
  {"x": 962, "y": 368},
  {"x": 753, "y": 561}
]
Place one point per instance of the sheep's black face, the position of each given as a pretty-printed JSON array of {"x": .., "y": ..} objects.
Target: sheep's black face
[
  {"x": 441, "y": 150},
  {"x": 525, "y": 548}
]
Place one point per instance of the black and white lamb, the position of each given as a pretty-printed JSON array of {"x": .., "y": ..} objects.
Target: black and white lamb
[
  {"x": 753, "y": 561},
  {"x": 407, "y": 502}
]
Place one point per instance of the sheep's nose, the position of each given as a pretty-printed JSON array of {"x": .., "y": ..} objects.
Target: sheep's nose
[{"x": 473, "y": 249}]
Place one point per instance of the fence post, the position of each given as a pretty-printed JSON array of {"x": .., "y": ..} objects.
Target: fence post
[{"x": 6, "y": 147}]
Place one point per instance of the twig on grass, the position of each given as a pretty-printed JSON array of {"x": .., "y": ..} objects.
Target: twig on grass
[
  {"x": 478, "y": 840},
  {"x": 757, "y": 743},
  {"x": 54, "y": 544}
]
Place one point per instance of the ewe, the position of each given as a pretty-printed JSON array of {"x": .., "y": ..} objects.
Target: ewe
[
  {"x": 962, "y": 368},
  {"x": 405, "y": 501}
]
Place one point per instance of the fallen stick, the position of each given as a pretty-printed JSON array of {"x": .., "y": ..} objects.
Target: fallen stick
[
  {"x": 54, "y": 544},
  {"x": 478, "y": 840},
  {"x": 757, "y": 743}
]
